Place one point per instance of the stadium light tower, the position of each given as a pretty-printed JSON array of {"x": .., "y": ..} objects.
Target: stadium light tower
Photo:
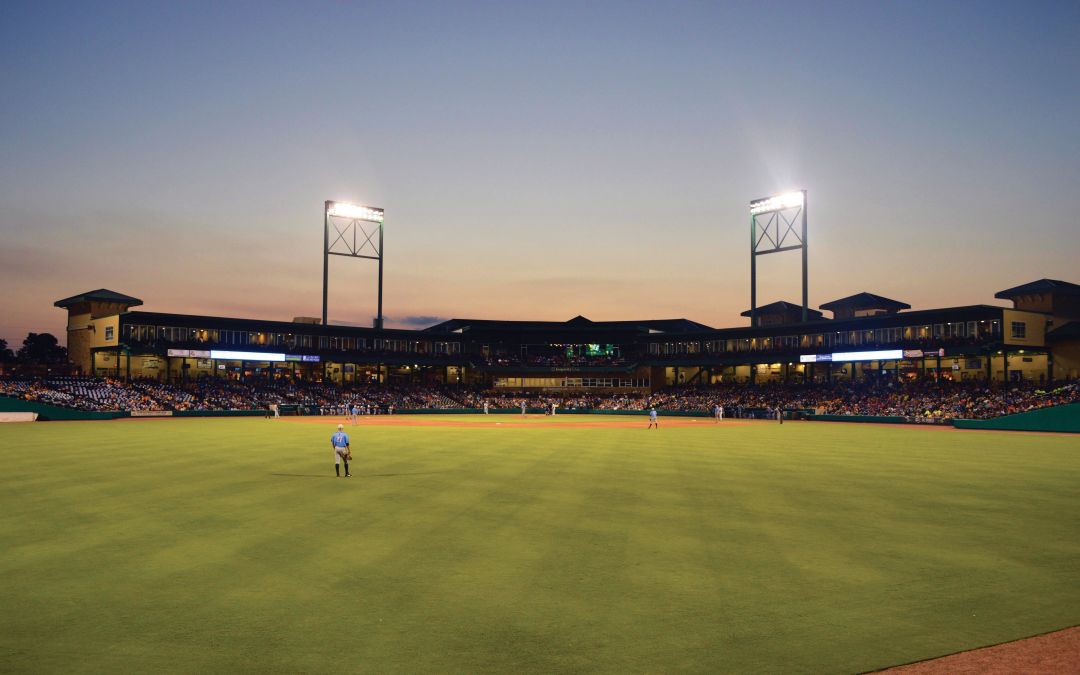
[
  {"x": 770, "y": 227},
  {"x": 355, "y": 227}
]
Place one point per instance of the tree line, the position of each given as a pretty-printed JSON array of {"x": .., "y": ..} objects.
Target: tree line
[{"x": 38, "y": 349}]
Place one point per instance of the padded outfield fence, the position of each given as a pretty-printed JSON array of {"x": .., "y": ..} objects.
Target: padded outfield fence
[
  {"x": 1060, "y": 419},
  {"x": 1056, "y": 419}
]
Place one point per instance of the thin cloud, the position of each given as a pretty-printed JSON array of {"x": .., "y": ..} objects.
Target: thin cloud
[{"x": 415, "y": 320}]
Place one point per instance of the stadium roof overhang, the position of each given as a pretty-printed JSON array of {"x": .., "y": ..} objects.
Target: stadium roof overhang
[
  {"x": 100, "y": 295},
  {"x": 1054, "y": 286},
  {"x": 578, "y": 327},
  {"x": 1065, "y": 332},
  {"x": 782, "y": 307},
  {"x": 865, "y": 300}
]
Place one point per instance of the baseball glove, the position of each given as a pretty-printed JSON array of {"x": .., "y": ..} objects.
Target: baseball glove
[{"x": 348, "y": 455}]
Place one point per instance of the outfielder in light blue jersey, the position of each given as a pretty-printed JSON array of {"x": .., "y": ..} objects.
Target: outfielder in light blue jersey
[
  {"x": 652, "y": 419},
  {"x": 340, "y": 443}
]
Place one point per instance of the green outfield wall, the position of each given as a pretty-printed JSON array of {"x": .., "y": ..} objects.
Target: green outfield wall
[
  {"x": 54, "y": 413},
  {"x": 1060, "y": 419},
  {"x": 48, "y": 412}
]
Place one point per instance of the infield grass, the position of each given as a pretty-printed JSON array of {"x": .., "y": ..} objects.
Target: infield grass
[{"x": 226, "y": 545}]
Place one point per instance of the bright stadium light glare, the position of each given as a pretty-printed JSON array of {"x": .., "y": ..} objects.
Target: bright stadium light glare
[
  {"x": 371, "y": 214},
  {"x": 884, "y": 355},
  {"x": 245, "y": 356},
  {"x": 788, "y": 200}
]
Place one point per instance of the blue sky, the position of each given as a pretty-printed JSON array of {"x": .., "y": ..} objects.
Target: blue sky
[{"x": 535, "y": 160}]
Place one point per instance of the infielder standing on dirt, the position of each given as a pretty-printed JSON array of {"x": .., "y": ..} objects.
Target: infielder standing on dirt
[{"x": 342, "y": 453}]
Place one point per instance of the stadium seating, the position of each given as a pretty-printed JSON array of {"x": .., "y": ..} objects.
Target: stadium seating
[{"x": 918, "y": 400}]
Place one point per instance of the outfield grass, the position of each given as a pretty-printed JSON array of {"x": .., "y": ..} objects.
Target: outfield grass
[{"x": 225, "y": 545}]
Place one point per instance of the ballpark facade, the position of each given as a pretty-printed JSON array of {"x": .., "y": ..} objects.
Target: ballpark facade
[{"x": 1037, "y": 339}]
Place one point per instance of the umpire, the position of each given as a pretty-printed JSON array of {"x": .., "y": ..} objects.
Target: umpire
[{"x": 342, "y": 453}]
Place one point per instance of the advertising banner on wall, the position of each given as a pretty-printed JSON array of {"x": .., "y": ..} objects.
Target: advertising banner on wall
[{"x": 189, "y": 353}]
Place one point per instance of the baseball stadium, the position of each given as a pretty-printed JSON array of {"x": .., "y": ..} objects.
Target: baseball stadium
[
  {"x": 648, "y": 338},
  {"x": 885, "y": 488}
]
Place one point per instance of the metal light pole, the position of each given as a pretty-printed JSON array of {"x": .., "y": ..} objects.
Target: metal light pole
[
  {"x": 770, "y": 228},
  {"x": 354, "y": 227}
]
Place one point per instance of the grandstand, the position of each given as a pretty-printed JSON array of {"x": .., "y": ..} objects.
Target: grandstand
[
  {"x": 917, "y": 401},
  {"x": 869, "y": 336},
  {"x": 872, "y": 358}
]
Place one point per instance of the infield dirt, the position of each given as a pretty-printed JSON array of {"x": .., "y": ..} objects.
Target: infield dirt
[{"x": 1053, "y": 653}]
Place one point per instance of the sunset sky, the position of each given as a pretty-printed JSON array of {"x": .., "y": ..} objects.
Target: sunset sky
[{"x": 535, "y": 160}]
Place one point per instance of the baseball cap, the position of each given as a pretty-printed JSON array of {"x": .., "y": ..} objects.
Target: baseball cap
[{"x": 340, "y": 427}]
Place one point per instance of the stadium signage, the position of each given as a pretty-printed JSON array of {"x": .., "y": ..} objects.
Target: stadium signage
[
  {"x": 150, "y": 413},
  {"x": 788, "y": 200},
  {"x": 882, "y": 355},
  {"x": 918, "y": 353},
  {"x": 260, "y": 356},
  {"x": 189, "y": 353}
]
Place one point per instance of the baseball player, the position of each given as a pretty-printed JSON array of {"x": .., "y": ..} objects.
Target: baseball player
[
  {"x": 340, "y": 443},
  {"x": 355, "y": 413},
  {"x": 523, "y": 408},
  {"x": 485, "y": 407},
  {"x": 718, "y": 413},
  {"x": 652, "y": 418}
]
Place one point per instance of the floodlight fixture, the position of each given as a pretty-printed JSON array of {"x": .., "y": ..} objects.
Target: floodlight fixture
[
  {"x": 370, "y": 214},
  {"x": 788, "y": 200}
]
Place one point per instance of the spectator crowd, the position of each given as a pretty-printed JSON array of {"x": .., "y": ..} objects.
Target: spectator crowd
[{"x": 918, "y": 401}]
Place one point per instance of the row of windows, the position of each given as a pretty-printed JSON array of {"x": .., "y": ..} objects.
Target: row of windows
[
  {"x": 932, "y": 333},
  {"x": 936, "y": 333},
  {"x": 133, "y": 334}
]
